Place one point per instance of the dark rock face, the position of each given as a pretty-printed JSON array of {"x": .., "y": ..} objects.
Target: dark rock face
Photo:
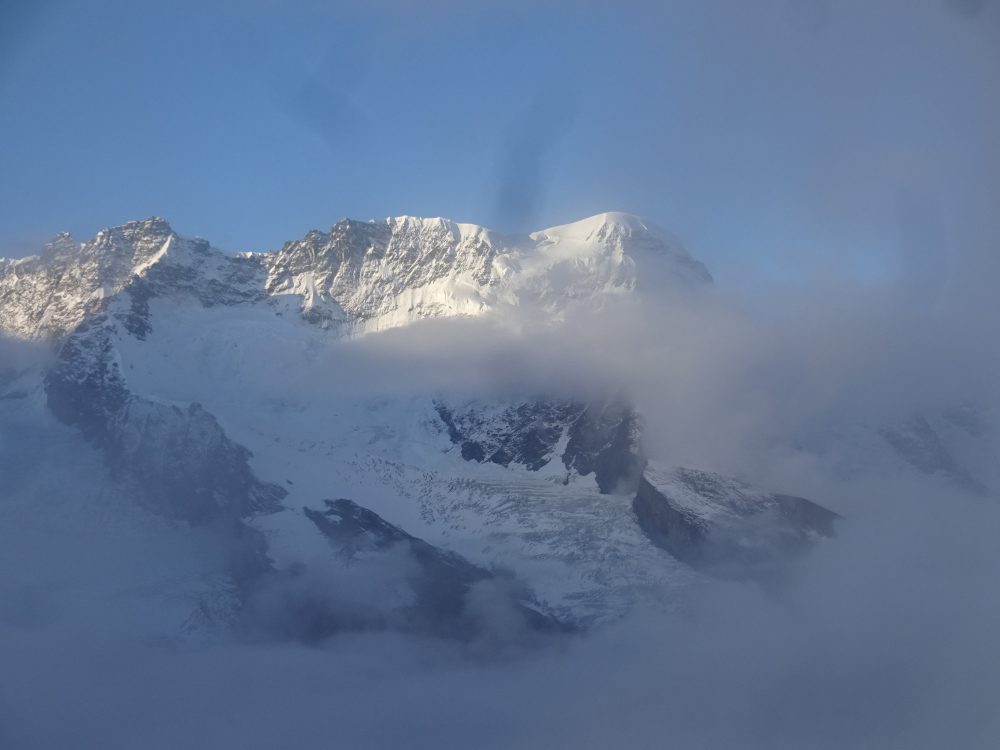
[
  {"x": 184, "y": 464},
  {"x": 85, "y": 388},
  {"x": 524, "y": 433},
  {"x": 440, "y": 580},
  {"x": 602, "y": 438},
  {"x": 178, "y": 461},
  {"x": 136, "y": 321},
  {"x": 725, "y": 527},
  {"x": 678, "y": 532}
]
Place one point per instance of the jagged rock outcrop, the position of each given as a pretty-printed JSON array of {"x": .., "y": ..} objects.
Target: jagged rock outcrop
[
  {"x": 606, "y": 440},
  {"x": 601, "y": 438},
  {"x": 523, "y": 433}
]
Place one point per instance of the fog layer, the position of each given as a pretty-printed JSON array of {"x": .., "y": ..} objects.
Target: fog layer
[{"x": 883, "y": 637}]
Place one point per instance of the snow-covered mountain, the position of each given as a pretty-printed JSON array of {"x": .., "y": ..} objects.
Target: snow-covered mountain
[
  {"x": 201, "y": 383},
  {"x": 358, "y": 277}
]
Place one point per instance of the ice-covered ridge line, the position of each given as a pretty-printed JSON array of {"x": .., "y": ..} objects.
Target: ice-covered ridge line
[{"x": 358, "y": 277}]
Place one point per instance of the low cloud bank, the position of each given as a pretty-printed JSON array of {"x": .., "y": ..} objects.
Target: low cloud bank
[{"x": 885, "y": 638}]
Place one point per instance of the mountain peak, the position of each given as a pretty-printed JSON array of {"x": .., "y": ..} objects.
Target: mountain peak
[
  {"x": 602, "y": 225},
  {"x": 154, "y": 226},
  {"x": 62, "y": 244},
  {"x": 625, "y": 234}
]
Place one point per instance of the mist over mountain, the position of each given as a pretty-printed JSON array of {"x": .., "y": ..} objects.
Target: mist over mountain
[
  {"x": 648, "y": 398},
  {"x": 468, "y": 462}
]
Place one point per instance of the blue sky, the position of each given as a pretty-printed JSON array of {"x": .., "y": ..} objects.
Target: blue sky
[{"x": 773, "y": 136}]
